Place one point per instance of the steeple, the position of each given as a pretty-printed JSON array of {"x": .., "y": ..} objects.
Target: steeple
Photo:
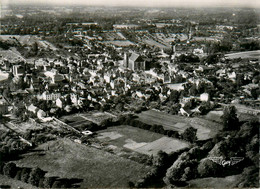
[{"x": 173, "y": 51}]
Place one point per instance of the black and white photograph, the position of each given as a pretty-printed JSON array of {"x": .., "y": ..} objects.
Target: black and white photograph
[{"x": 128, "y": 94}]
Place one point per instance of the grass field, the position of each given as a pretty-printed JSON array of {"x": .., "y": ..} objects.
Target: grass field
[
  {"x": 214, "y": 116},
  {"x": 3, "y": 76},
  {"x": 154, "y": 43},
  {"x": 96, "y": 117},
  {"x": 13, "y": 183},
  {"x": 205, "y": 128},
  {"x": 67, "y": 159},
  {"x": 226, "y": 182},
  {"x": 139, "y": 140},
  {"x": 246, "y": 54},
  {"x": 121, "y": 43}
]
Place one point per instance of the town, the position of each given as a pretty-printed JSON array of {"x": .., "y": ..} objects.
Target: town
[{"x": 91, "y": 98}]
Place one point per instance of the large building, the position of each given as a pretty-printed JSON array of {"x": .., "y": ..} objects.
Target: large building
[{"x": 134, "y": 62}]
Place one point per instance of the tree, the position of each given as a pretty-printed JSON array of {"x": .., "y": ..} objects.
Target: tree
[
  {"x": 190, "y": 134},
  {"x": 160, "y": 159},
  {"x": 174, "y": 96},
  {"x": 208, "y": 168},
  {"x": 10, "y": 169},
  {"x": 35, "y": 47},
  {"x": 18, "y": 174},
  {"x": 35, "y": 176},
  {"x": 25, "y": 174},
  {"x": 229, "y": 117},
  {"x": 57, "y": 184},
  {"x": 48, "y": 182}
]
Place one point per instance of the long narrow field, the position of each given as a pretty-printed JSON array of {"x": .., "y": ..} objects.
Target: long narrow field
[
  {"x": 67, "y": 159},
  {"x": 246, "y": 54},
  {"x": 225, "y": 182},
  {"x": 205, "y": 128}
]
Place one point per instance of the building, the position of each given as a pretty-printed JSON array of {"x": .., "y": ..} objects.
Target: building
[
  {"x": 204, "y": 97},
  {"x": 135, "y": 62},
  {"x": 52, "y": 96},
  {"x": 18, "y": 70},
  {"x": 125, "y": 26}
]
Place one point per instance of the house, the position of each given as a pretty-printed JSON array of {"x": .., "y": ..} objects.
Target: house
[
  {"x": 50, "y": 96},
  {"x": 40, "y": 113},
  {"x": 32, "y": 109},
  {"x": 59, "y": 103},
  {"x": 18, "y": 70},
  {"x": 125, "y": 26},
  {"x": 204, "y": 97},
  {"x": 185, "y": 112}
]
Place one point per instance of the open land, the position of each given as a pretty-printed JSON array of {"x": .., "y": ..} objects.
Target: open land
[
  {"x": 139, "y": 140},
  {"x": 206, "y": 128},
  {"x": 14, "y": 183},
  {"x": 247, "y": 54},
  {"x": 97, "y": 168},
  {"x": 226, "y": 182}
]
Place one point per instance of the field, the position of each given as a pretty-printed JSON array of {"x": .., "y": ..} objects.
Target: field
[
  {"x": 121, "y": 43},
  {"x": 85, "y": 118},
  {"x": 3, "y": 76},
  {"x": 246, "y": 54},
  {"x": 96, "y": 117},
  {"x": 11, "y": 55},
  {"x": 154, "y": 43},
  {"x": 205, "y": 128},
  {"x": 67, "y": 159},
  {"x": 13, "y": 183},
  {"x": 214, "y": 116},
  {"x": 28, "y": 40},
  {"x": 226, "y": 182},
  {"x": 138, "y": 140}
]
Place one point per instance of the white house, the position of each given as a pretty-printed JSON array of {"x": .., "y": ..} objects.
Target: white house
[
  {"x": 204, "y": 97},
  {"x": 50, "y": 96},
  {"x": 59, "y": 103}
]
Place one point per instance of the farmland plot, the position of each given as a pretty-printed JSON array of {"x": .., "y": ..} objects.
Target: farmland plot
[
  {"x": 205, "y": 128},
  {"x": 247, "y": 54},
  {"x": 139, "y": 140}
]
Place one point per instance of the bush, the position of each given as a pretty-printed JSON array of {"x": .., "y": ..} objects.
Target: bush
[
  {"x": 18, "y": 175},
  {"x": 2, "y": 164},
  {"x": 208, "y": 168},
  {"x": 25, "y": 174},
  {"x": 190, "y": 134},
  {"x": 57, "y": 184},
  {"x": 131, "y": 184},
  {"x": 35, "y": 176},
  {"x": 230, "y": 120},
  {"x": 48, "y": 182},
  {"x": 10, "y": 169},
  {"x": 41, "y": 183},
  {"x": 171, "y": 133}
]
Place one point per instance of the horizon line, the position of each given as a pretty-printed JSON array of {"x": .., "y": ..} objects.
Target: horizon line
[{"x": 134, "y": 5}]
